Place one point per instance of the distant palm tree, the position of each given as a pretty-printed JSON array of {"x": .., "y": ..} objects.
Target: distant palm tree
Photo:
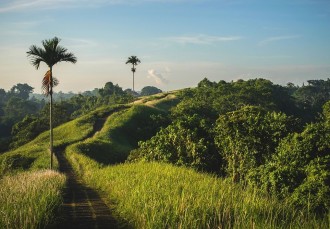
[
  {"x": 50, "y": 54},
  {"x": 134, "y": 61}
]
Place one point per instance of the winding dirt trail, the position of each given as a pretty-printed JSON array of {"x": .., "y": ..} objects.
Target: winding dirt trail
[{"x": 83, "y": 207}]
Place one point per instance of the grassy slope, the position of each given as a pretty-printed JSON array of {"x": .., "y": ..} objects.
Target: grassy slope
[
  {"x": 154, "y": 195},
  {"x": 124, "y": 129},
  {"x": 22, "y": 203},
  {"x": 35, "y": 154}
]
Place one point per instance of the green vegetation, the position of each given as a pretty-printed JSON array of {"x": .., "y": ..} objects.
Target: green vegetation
[
  {"x": 121, "y": 133},
  {"x": 35, "y": 155},
  {"x": 255, "y": 133},
  {"x": 30, "y": 199},
  {"x": 22, "y": 191},
  {"x": 150, "y": 90},
  {"x": 22, "y": 118},
  {"x": 244, "y": 154},
  {"x": 157, "y": 195},
  {"x": 153, "y": 195}
]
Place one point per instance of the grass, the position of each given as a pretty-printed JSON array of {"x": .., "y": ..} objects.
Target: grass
[
  {"x": 155, "y": 195},
  {"x": 163, "y": 101},
  {"x": 119, "y": 135},
  {"x": 35, "y": 154},
  {"x": 146, "y": 195},
  {"x": 30, "y": 199}
]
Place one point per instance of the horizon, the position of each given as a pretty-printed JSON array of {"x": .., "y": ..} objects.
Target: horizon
[{"x": 179, "y": 42}]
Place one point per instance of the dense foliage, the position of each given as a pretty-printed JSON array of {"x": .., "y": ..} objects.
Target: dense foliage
[{"x": 254, "y": 132}]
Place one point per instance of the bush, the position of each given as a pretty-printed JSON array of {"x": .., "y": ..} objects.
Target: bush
[
  {"x": 300, "y": 169},
  {"x": 247, "y": 138}
]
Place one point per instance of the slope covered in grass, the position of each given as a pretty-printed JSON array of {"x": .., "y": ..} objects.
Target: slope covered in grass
[
  {"x": 120, "y": 134},
  {"x": 35, "y": 154}
]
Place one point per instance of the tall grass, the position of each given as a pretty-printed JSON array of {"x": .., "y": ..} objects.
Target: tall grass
[
  {"x": 154, "y": 195},
  {"x": 29, "y": 199}
]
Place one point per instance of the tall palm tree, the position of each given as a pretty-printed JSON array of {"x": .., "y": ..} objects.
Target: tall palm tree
[
  {"x": 134, "y": 61},
  {"x": 51, "y": 53}
]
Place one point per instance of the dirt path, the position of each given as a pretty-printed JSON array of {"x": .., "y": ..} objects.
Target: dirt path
[{"x": 82, "y": 207}]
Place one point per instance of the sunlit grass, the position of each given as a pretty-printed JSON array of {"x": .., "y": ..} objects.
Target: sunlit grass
[
  {"x": 119, "y": 135},
  {"x": 154, "y": 195},
  {"x": 30, "y": 199}
]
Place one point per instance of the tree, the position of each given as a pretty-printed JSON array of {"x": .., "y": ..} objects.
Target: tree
[
  {"x": 50, "y": 54},
  {"x": 311, "y": 98},
  {"x": 111, "y": 89},
  {"x": 150, "y": 90},
  {"x": 248, "y": 137},
  {"x": 3, "y": 96},
  {"x": 300, "y": 168},
  {"x": 21, "y": 90},
  {"x": 134, "y": 61}
]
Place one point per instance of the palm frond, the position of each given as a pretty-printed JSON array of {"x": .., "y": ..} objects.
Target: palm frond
[
  {"x": 36, "y": 56},
  {"x": 133, "y": 60},
  {"x": 68, "y": 57},
  {"x": 48, "y": 82},
  {"x": 51, "y": 53}
]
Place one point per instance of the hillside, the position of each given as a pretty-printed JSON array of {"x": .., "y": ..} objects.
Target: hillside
[{"x": 228, "y": 144}]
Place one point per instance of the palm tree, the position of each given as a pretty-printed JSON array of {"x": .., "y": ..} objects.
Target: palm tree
[
  {"x": 134, "y": 61},
  {"x": 51, "y": 53}
]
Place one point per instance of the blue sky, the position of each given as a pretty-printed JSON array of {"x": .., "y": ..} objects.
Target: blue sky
[{"x": 179, "y": 42}]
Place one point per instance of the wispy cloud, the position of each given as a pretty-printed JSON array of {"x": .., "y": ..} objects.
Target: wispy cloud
[
  {"x": 277, "y": 38},
  {"x": 81, "y": 43},
  {"x": 17, "y": 5},
  {"x": 157, "y": 77},
  {"x": 202, "y": 39}
]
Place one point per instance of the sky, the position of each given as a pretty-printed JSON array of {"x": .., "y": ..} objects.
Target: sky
[{"x": 179, "y": 42}]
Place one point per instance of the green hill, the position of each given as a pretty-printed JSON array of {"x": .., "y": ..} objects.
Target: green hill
[{"x": 149, "y": 194}]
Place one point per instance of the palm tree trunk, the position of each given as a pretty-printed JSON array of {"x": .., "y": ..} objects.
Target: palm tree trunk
[
  {"x": 133, "y": 81},
  {"x": 51, "y": 119}
]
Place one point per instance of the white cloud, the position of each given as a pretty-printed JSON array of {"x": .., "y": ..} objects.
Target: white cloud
[
  {"x": 157, "y": 77},
  {"x": 277, "y": 38},
  {"x": 202, "y": 39}
]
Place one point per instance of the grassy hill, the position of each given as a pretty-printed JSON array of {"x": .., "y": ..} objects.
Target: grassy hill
[
  {"x": 22, "y": 203},
  {"x": 146, "y": 194}
]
